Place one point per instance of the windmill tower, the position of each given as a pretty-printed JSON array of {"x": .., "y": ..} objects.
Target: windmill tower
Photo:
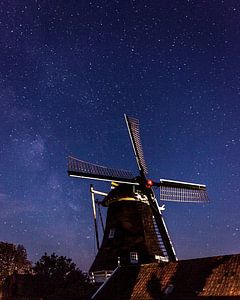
[{"x": 135, "y": 231}]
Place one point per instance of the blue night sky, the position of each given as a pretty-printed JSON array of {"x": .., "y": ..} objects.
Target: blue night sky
[{"x": 69, "y": 70}]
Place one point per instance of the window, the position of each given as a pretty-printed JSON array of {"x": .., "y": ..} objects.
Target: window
[
  {"x": 133, "y": 257},
  {"x": 111, "y": 233},
  {"x": 168, "y": 290}
]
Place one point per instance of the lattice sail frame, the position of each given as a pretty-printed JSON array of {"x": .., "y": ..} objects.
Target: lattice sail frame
[
  {"x": 83, "y": 169},
  {"x": 178, "y": 191},
  {"x": 134, "y": 133}
]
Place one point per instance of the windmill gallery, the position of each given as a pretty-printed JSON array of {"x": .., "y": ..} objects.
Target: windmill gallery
[{"x": 136, "y": 245}]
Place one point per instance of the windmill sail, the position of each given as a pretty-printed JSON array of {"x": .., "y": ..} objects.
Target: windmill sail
[
  {"x": 178, "y": 191},
  {"x": 133, "y": 129},
  {"x": 80, "y": 168}
]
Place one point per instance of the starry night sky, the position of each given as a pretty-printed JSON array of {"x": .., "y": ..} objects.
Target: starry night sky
[{"x": 69, "y": 70}]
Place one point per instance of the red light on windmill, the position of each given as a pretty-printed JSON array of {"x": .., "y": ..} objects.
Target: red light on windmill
[{"x": 149, "y": 183}]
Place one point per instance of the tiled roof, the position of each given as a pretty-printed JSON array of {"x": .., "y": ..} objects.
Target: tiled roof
[{"x": 203, "y": 278}]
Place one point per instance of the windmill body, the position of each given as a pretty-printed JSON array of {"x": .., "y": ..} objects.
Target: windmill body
[
  {"x": 135, "y": 231},
  {"x": 130, "y": 233}
]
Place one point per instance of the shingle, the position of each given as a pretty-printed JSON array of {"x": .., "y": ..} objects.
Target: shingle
[{"x": 187, "y": 279}]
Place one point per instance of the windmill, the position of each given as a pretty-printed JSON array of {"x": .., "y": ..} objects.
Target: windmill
[{"x": 135, "y": 231}]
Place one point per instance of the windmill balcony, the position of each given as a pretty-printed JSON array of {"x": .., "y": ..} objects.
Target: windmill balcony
[{"x": 100, "y": 276}]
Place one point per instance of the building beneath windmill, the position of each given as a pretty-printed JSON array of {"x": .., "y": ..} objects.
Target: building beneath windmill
[
  {"x": 136, "y": 252},
  {"x": 212, "y": 278}
]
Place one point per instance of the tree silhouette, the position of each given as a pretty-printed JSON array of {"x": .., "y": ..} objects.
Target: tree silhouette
[
  {"x": 59, "y": 278},
  {"x": 13, "y": 259}
]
